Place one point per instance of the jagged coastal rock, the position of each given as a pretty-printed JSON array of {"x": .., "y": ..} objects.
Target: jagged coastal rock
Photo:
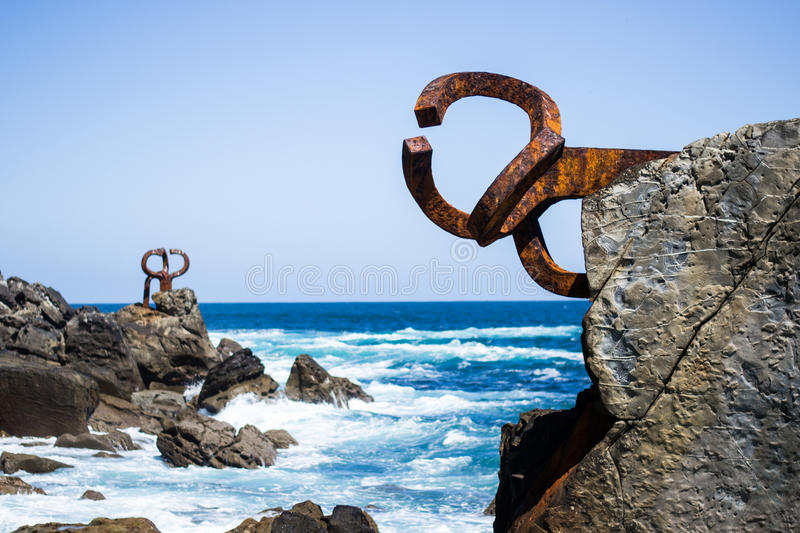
[
  {"x": 307, "y": 517},
  {"x": 692, "y": 342},
  {"x": 14, "y": 485},
  {"x": 169, "y": 343},
  {"x": 201, "y": 440},
  {"x": 96, "y": 347},
  {"x": 309, "y": 382},
  {"x": 240, "y": 373}
]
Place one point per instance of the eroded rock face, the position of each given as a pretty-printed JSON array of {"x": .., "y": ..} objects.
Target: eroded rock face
[
  {"x": 40, "y": 399},
  {"x": 240, "y": 373},
  {"x": 96, "y": 347},
  {"x": 309, "y": 382},
  {"x": 693, "y": 342},
  {"x": 170, "y": 343},
  {"x": 204, "y": 441}
]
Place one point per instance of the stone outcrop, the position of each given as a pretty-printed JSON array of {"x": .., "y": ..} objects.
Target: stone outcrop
[
  {"x": 41, "y": 399},
  {"x": 309, "y": 382},
  {"x": 204, "y": 441},
  {"x": 11, "y": 463},
  {"x": 98, "y": 525},
  {"x": 96, "y": 347},
  {"x": 692, "y": 342},
  {"x": 14, "y": 485},
  {"x": 32, "y": 318},
  {"x": 148, "y": 410},
  {"x": 169, "y": 343},
  {"x": 109, "y": 442},
  {"x": 240, "y": 373},
  {"x": 307, "y": 517}
]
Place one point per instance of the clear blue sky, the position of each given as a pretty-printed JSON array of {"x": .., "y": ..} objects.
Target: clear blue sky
[{"x": 239, "y": 130}]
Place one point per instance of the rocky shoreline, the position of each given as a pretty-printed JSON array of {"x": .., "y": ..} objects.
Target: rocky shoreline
[{"x": 82, "y": 375}]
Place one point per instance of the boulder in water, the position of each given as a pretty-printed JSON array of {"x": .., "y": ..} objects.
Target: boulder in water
[
  {"x": 240, "y": 373},
  {"x": 204, "y": 441},
  {"x": 309, "y": 382},
  {"x": 11, "y": 463}
]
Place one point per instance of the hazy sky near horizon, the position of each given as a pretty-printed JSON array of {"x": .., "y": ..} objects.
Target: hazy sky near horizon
[{"x": 264, "y": 138}]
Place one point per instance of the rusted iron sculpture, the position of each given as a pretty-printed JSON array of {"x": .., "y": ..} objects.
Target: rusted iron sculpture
[
  {"x": 544, "y": 172},
  {"x": 164, "y": 276}
]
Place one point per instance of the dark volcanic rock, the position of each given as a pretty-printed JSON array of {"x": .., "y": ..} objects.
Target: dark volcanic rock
[
  {"x": 349, "y": 519},
  {"x": 41, "y": 399},
  {"x": 98, "y": 525},
  {"x": 96, "y": 347},
  {"x": 11, "y": 463},
  {"x": 204, "y": 441},
  {"x": 241, "y": 373},
  {"x": 170, "y": 343},
  {"x": 239, "y": 367},
  {"x": 309, "y": 382},
  {"x": 110, "y": 442},
  {"x": 307, "y": 517},
  {"x": 92, "y": 495},
  {"x": 14, "y": 485},
  {"x": 692, "y": 341},
  {"x": 291, "y": 522}
]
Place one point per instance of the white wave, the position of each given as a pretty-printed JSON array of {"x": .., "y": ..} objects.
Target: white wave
[
  {"x": 245, "y": 336},
  {"x": 440, "y": 465},
  {"x": 458, "y": 438}
]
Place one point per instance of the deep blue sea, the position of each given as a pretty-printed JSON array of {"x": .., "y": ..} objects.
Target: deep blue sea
[{"x": 423, "y": 456}]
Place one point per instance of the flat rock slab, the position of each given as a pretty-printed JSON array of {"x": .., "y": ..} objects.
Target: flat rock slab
[
  {"x": 98, "y": 525},
  {"x": 11, "y": 463}
]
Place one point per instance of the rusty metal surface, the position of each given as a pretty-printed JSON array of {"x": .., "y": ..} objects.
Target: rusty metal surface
[
  {"x": 544, "y": 172},
  {"x": 164, "y": 276}
]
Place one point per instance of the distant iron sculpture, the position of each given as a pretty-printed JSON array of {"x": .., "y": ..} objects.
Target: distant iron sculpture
[
  {"x": 164, "y": 276},
  {"x": 544, "y": 172}
]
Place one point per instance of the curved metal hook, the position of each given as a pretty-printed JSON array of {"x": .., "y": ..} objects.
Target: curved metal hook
[
  {"x": 541, "y": 174},
  {"x": 164, "y": 276}
]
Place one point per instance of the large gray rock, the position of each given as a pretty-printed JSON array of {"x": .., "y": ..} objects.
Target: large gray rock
[
  {"x": 41, "y": 400},
  {"x": 693, "y": 341},
  {"x": 204, "y": 441},
  {"x": 309, "y": 382},
  {"x": 96, "y": 347},
  {"x": 170, "y": 343},
  {"x": 240, "y": 373}
]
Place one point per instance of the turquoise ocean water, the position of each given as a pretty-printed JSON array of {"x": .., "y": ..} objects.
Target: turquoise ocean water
[{"x": 423, "y": 456}]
